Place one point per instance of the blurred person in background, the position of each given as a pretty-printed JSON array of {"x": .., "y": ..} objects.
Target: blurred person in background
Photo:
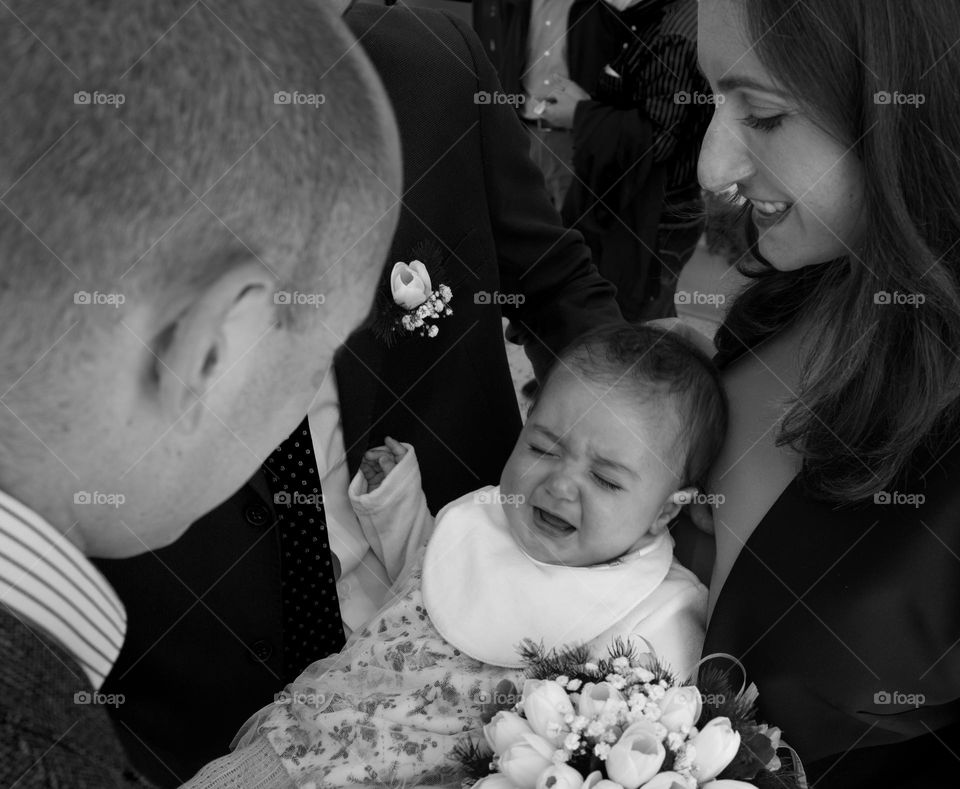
[{"x": 616, "y": 107}]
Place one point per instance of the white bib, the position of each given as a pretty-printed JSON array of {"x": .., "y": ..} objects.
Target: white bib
[{"x": 485, "y": 595}]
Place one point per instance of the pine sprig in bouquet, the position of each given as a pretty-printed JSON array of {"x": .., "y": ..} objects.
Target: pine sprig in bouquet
[{"x": 625, "y": 722}]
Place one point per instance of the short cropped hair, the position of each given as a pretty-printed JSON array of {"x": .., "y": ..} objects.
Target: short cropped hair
[
  {"x": 646, "y": 362},
  {"x": 148, "y": 145}
]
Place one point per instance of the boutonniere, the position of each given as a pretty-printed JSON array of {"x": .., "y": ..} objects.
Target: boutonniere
[{"x": 412, "y": 306}]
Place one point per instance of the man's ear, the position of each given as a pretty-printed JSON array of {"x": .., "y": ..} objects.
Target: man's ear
[
  {"x": 671, "y": 508},
  {"x": 219, "y": 323}
]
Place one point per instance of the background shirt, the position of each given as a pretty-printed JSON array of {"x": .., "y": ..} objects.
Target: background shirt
[{"x": 547, "y": 49}]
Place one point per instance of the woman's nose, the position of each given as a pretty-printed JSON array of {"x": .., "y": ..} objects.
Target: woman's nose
[{"x": 724, "y": 157}]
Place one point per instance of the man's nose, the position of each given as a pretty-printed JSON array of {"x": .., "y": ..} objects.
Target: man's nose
[{"x": 725, "y": 159}]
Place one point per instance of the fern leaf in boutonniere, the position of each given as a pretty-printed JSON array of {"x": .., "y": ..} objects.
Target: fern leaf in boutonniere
[{"x": 415, "y": 298}]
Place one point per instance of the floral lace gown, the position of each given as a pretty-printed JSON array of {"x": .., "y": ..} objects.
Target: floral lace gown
[{"x": 389, "y": 710}]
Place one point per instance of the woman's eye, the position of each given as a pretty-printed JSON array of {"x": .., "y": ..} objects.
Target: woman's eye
[
  {"x": 763, "y": 124},
  {"x": 605, "y": 483}
]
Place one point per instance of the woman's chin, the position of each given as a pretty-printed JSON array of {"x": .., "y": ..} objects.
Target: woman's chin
[{"x": 783, "y": 250}]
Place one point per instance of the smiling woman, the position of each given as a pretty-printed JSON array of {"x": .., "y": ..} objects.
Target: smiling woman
[
  {"x": 850, "y": 198},
  {"x": 836, "y": 575}
]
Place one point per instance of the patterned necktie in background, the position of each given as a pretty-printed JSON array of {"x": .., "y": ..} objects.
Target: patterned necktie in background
[{"x": 312, "y": 627}]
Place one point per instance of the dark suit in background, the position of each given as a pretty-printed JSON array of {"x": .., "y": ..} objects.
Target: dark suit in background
[{"x": 204, "y": 646}]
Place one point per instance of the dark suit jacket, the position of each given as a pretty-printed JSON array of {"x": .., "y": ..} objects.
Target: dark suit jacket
[
  {"x": 51, "y": 735},
  {"x": 204, "y": 645}
]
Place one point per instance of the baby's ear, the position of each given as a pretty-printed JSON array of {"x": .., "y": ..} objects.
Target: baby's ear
[{"x": 671, "y": 508}]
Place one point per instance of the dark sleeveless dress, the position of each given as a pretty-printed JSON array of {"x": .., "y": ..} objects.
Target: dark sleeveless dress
[{"x": 848, "y": 621}]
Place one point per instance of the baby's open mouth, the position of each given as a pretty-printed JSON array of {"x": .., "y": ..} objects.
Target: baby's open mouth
[{"x": 551, "y": 523}]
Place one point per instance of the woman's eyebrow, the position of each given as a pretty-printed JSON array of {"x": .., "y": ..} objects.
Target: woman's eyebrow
[{"x": 734, "y": 82}]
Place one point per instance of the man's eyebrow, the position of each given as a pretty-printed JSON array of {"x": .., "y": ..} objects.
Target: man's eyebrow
[{"x": 733, "y": 82}]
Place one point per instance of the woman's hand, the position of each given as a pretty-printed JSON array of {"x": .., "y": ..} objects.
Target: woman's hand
[
  {"x": 562, "y": 101},
  {"x": 378, "y": 462}
]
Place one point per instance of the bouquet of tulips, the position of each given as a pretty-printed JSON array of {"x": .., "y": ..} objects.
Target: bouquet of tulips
[{"x": 626, "y": 723}]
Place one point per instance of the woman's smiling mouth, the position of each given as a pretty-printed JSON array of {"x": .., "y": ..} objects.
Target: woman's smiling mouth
[{"x": 768, "y": 212}]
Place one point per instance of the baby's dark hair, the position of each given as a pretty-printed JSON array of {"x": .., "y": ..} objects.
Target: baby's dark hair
[{"x": 646, "y": 360}]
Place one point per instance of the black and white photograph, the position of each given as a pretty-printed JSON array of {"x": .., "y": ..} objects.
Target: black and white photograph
[{"x": 480, "y": 394}]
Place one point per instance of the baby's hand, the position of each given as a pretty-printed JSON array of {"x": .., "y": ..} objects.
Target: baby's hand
[{"x": 380, "y": 461}]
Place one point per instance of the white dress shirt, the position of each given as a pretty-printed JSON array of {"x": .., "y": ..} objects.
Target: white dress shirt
[
  {"x": 546, "y": 50},
  {"x": 364, "y": 581},
  {"x": 46, "y": 581}
]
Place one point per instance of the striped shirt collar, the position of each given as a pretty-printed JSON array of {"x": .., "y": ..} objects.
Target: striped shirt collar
[{"x": 46, "y": 581}]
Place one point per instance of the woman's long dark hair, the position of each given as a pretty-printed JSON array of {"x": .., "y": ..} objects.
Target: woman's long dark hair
[{"x": 881, "y": 380}]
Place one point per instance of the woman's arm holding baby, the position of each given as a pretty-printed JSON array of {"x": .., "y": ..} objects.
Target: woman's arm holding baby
[{"x": 388, "y": 499}]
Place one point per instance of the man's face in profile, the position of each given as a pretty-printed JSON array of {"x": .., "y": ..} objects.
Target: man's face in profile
[{"x": 246, "y": 235}]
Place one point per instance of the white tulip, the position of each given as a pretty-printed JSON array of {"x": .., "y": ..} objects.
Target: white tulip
[
  {"x": 715, "y": 745},
  {"x": 523, "y": 761},
  {"x": 592, "y": 780},
  {"x": 727, "y": 784},
  {"x": 410, "y": 284},
  {"x": 637, "y": 756},
  {"x": 597, "y": 698},
  {"x": 504, "y": 730},
  {"x": 560, "y": 776},
  {"x": 667, "y": 780},
  {"x": 545, "y": 705},
  {"x": 680, "y": 707}
]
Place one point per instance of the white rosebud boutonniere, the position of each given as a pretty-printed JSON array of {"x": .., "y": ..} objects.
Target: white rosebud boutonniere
[
  {"x": 410, "y": 284},
  {"x": 412, "y": 300}
]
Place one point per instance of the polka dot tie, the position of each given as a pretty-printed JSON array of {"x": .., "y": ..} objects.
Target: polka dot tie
[{"x": 312, "y": 627}]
